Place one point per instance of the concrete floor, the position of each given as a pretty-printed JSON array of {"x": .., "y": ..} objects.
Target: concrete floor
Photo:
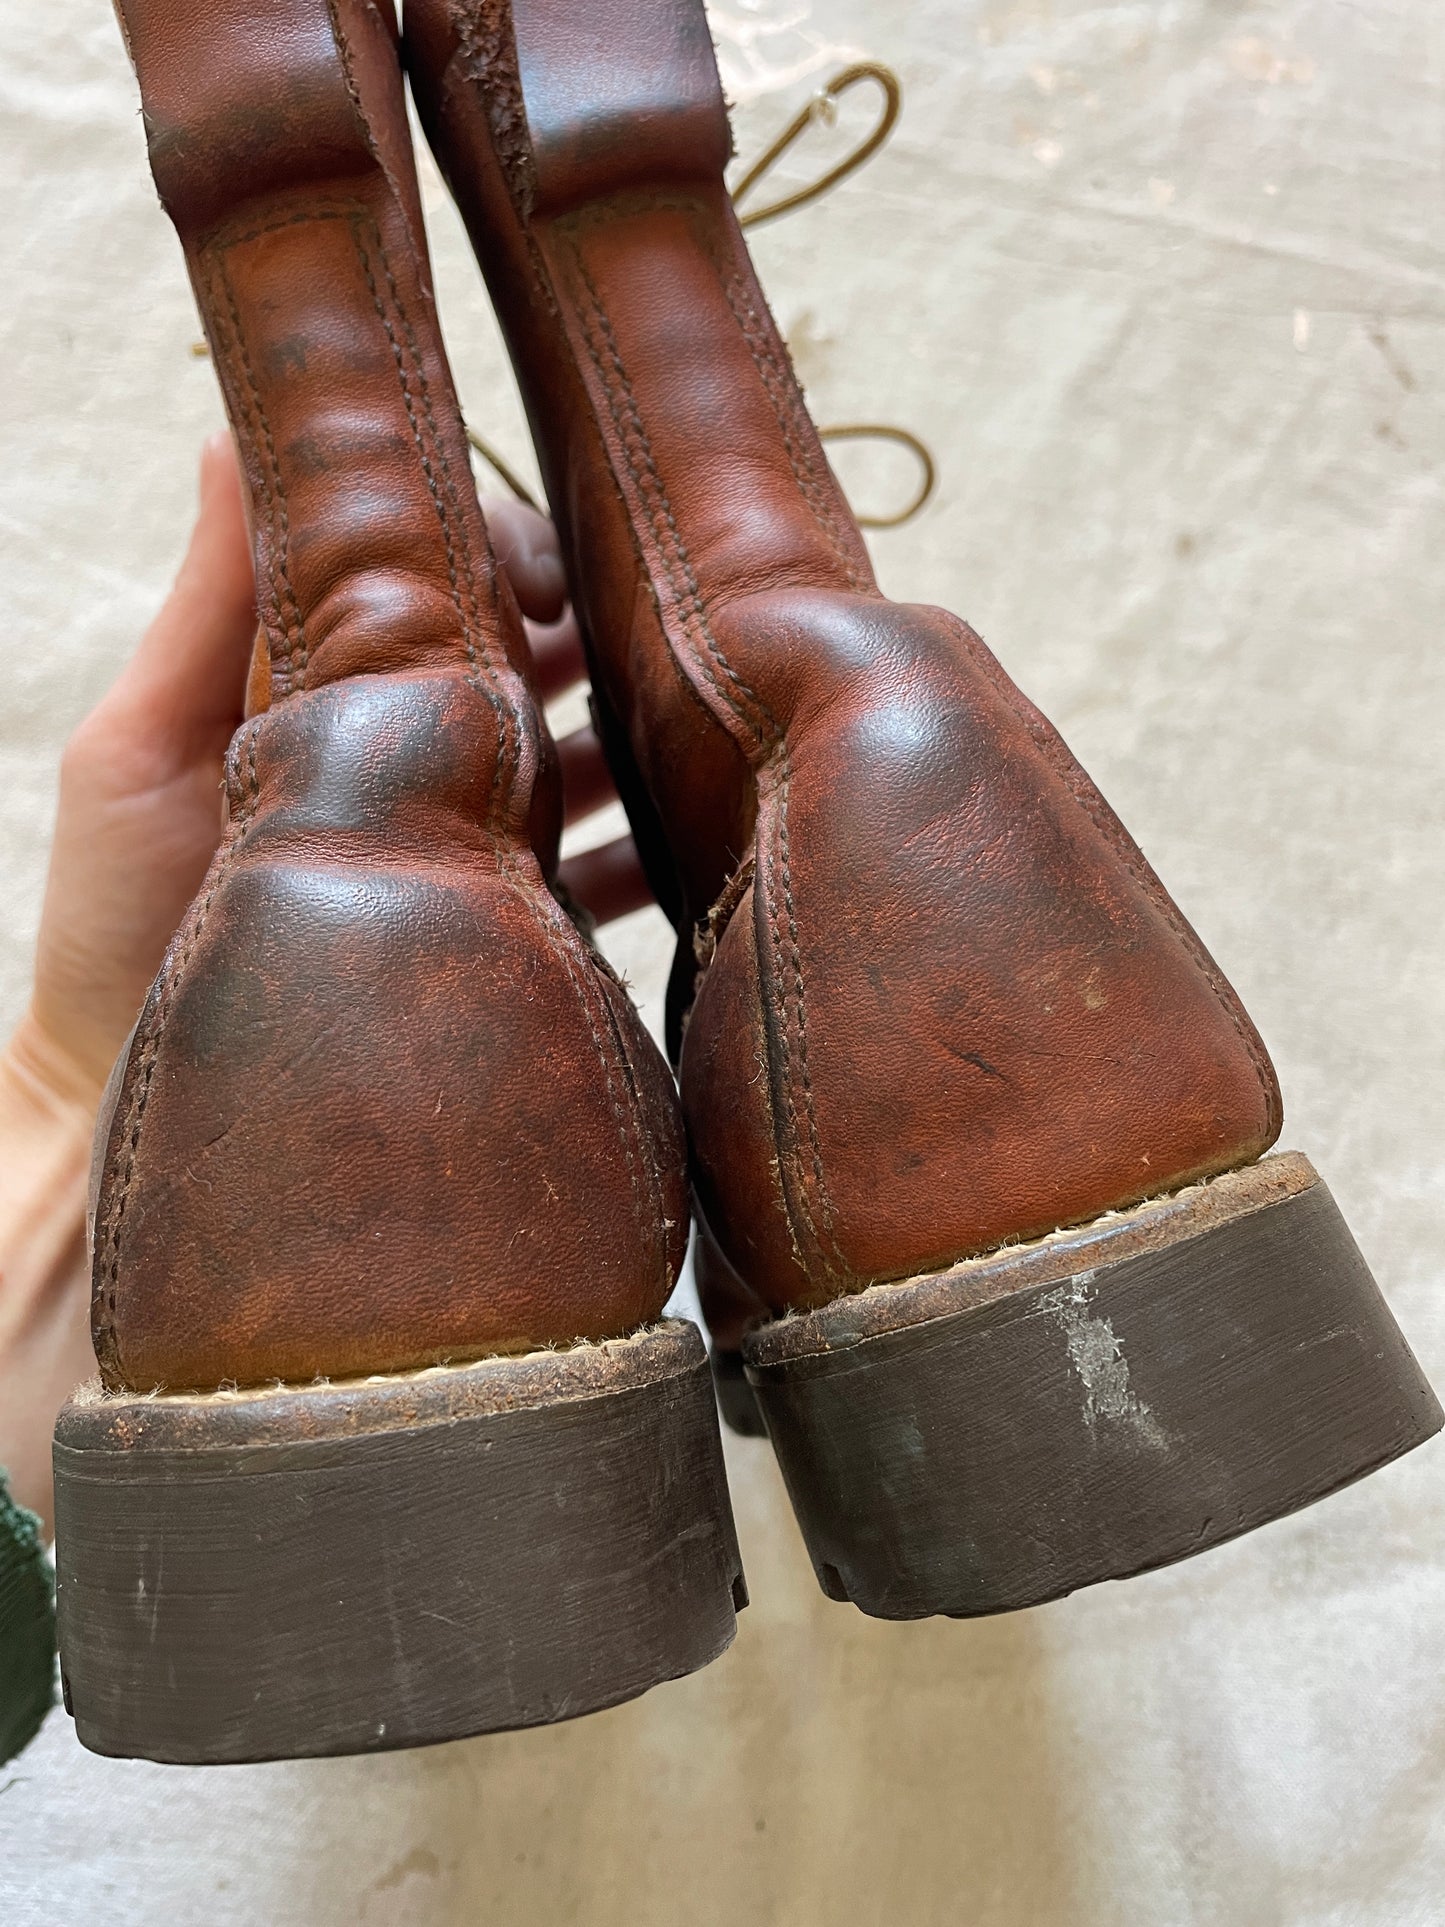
[{"x": 1163, "y": 284}]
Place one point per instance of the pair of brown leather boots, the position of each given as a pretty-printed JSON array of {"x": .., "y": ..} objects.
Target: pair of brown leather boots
[{"x": 389, "y": 1444}]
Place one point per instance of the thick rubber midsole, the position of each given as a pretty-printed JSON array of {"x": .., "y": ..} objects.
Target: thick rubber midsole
[
  {"x": 391, "y": 1561},
  {"x": 1104, "y": 1400}
]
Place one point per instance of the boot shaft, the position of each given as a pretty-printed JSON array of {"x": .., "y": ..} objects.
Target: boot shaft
[
  {"x": 383, "y": 1106},
  {"x": 978, "y": 1012}
]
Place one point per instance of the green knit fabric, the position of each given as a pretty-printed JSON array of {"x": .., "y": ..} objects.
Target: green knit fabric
[{"x": 27, "y": 1627}]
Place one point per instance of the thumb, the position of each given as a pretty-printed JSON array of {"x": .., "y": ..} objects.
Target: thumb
[{"x": 186, "y": 681}]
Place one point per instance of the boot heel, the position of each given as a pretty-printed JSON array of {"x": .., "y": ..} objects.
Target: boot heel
[
  {"x": 736, "y": 1400},
  {"x": 1105, "y": 1400},
  {"x": 337, "y": 1568}
]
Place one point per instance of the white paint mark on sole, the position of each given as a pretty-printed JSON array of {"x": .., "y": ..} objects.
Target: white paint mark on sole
[{"x": 1097, "y": 1355}]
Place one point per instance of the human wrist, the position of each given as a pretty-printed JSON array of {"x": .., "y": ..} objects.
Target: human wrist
[
  {"x": 48, "y": 1107},
  {"x": 44, "y": 1085}
]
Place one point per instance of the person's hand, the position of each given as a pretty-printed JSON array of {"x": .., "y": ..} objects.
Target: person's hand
[
  {"x": 139, "y": 819},
  {"x": 140, "y": 807}
]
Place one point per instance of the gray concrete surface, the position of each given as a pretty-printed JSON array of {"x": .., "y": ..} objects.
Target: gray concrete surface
[{"x": 1163, "y": 284}]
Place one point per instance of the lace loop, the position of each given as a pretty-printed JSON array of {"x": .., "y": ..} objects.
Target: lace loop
[
  {"x": 905, "y": 438},
  {"x": 822, "y": 107}
]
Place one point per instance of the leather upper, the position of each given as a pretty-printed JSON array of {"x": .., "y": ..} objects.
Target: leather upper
[
  {"x": 384, "y": 1105},
  {"x": 930, "y": 997}
]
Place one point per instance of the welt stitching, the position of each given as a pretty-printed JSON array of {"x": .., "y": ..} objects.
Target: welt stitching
[
  {"x": 1081, "y": 789},
  {"x": 677, "y": 562},
  {"x": 810, "y": 1109},
  {"x": 110, "y": 1269},
  {"x": 273, "y": 492}
]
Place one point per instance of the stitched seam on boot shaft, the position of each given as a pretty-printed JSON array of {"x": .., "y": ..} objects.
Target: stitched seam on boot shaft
[
  {"x": 481, "y": 78},
  {"x": 462, "y": 575},
  {"x": 348, "y": 76},
  {"x": 464, "y": 601},
  {"x": 627, "y": 419},
  {"x": 631, "y": 1130},
  {"x": 359, "y": 218},
  {"x": 651, "y": 1221},
  {"x": 820, "y": 1222},
  {"x": 287, "y": 617},
  {"x": 1081, "y": 787},
  {"x": 461, "y": 566},
  {"x": 781, "y": 388},
  {"x": 108, "y": 1271},
  {"x": 508, "y": 722},
  {"x": 816, "y": 485},
  {"x": 697, "y": 610}
]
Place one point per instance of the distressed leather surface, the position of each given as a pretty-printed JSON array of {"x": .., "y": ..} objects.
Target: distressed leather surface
[
  {"x": 384, "y": 1106},
  {"x": 943, "y": 1001}
]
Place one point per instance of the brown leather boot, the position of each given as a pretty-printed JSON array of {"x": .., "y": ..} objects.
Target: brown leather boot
[
  {"x": 968, "y": 1101},
  {"x": 385, "y": 1112}
]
